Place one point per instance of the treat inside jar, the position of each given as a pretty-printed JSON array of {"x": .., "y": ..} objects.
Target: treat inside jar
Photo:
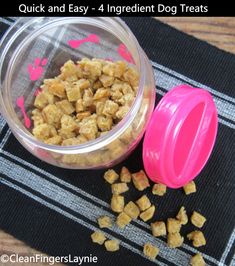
[{"x": 86, "y": 100}]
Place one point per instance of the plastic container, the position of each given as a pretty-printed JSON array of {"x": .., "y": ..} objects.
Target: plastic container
[{"x": 45, "y": 44}]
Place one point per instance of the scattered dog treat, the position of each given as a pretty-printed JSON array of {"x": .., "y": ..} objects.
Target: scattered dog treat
[
  {"x": 125, "y": 175},
  {"x": 119, "y": 188},
  {"x": 94, "y": 94},
  {"x": 197, "y": 260},
  {"x": 173, "y": 225},
  {"x": 111, "y": 176},
  {"x": 174, "y": 240},
  {"x": 143, "y": 203},
  {"x": 150, "y": 251},
  {"x": 158, "y": 228},
  {"x": 111, "y": 245},
  {"x": 147, "y": 214},
  {"x": 197, "y": 219},
  {"x": 123, "y": 219},
  {"x": 132, "y": 210},
  {"x": 104, "y": 222},
  {"x": 198, "y": 238},
  {"x": 98, "y": 237},
  {"x": 182, "y": 216},
  {"x": 159, "y": 189},
  {"x": 190, "y": 188},
  {"x": 117, "y": 203},
  {"x": 140, "y": 180}
]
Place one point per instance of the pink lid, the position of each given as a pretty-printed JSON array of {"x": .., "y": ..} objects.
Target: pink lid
[{"x": 180, "y": 136}]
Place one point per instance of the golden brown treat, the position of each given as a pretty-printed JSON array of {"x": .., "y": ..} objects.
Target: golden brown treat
[
  {"x": 198, "y": 238},
  {"x": 174, "y": 240},
  {"x": 56, "y": 140},
  {"x": 132, "y": 210},
  {"x": 197, "y": 219},
  {"x": 104, "y": 123},
  {"x": 73, "y": 93},
  {"x": 197, "y": 260},
  {"x": 68, "y": 123},
  {"x": 119, "y": 188},
  {"x": 105, "y": 222},
  {"x": 79, "y": 106},
  {"x": 52, "y": 115},
  {"x": 89, "y": 129},
  {"x": 98, "y": 237},
  {"x": 148, "y": 214},
  {"x": 65, "y": 106},
  {"x": 190, "y": 188},
  {"x": 158, "y": 228},
  {"x": 87, "y": 98},
  {"x": 150, "y": 251},
  {"x": 72, "y": 141},
  {"x": 80, "y": 116},
  {"x": 66, "y": 134},
  {"x": 123, "y": 219},
  {"x": 117, "y": 203},
  {"x": 69, "y": 69},
  {"x": 159, "y": 189},
  {"x": 37, "y": 118},
  {"x": 112, "y": 245},
  {"x": 125, "y": 175},
  {"x": 140, "y": 180},
  {"x": 132, "y": 77},
  {"x": 106, "y": 80},
  {"x": 109, "y": 69},
  {"x": 44, "y": 131},
  {"x": 110, "y": 108},
  {"x": 91, "y": 69},
  {"x": 182, "y": 216},
  {"x": 111, "y": 176},
  {"x": 101, "y": 93},
  {"x": 43, "y": 99},
  {"x": 57, "y": 88},
  {"x": 119, "y": 68},
  {"x": 122, "y": 111},
  {"x": 143, "y": 203},
  {"x": 173, "y": 225}
]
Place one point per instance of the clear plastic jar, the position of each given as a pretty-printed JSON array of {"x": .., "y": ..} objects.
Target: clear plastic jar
[{"x": 46, "y": 37}]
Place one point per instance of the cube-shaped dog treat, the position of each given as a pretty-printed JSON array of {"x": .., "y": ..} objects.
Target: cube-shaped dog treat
[
  {"x": 112, "y": 245},
  {"x": 105, "y": 222},
  {"x": 106, "y": 80},
  {"x": 150, "y": 251},
  {"x": 159, "y": 189},
  {"x": 117, "y": 203},
  {"x": 143, "y": 203},
  {"x": 147, "y": 214},
  {"x": 197, "y": 260},
  {"x": 158, "y": 228},
  {"x": 198, "y": 238},
  {"x": 98, "y": 237},
  {"x": 57, "y": 88},
  {"x": 122, "y": 111},
  {"x": 44, "y": 131},
  {"x": 43, "y": 99},
  {"x": 65, "y": 106},
  {"x": 110, "y": 108},
  {"x": 174, "y": 240},
  {"x": 119, "y": 188},
  {"x": 140, "y": 180},
  {"x": 101, "y": 93},
  {"x": 173, "y": 225},
  {"x": 104, "y": 123},
  {"x": 123, "y": 219},
  {"x": 131, "y": 76},
  {"x": 52, "y": 115},
  {"x": 56, "y": 140},
  {"x": 197, "y": 219},
  {"x": 125, "y": 175},
  {"x": 111, "y": 176},
  {"x": 73, "y": 93},
  {"x": 182, "y": 216},
  {"x": 68, "y": 123},
  {"x": 109, "y": 69},
  {"x": 89, "y": 129},
  {"x": 79, "y": 106},
  {"x": 119, "y": 68},
  {"x": 132, "y": 210},
  {"x": 190, "y": 188}
]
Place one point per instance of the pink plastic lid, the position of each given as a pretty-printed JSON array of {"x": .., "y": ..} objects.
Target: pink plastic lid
[{"x": 180, "y": 136}]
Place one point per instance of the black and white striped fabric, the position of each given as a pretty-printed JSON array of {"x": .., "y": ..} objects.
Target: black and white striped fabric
[{"x": 55, "y": 210}]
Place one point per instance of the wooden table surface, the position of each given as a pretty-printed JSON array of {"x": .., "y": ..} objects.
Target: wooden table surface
[{"x": 217, "y": 31}]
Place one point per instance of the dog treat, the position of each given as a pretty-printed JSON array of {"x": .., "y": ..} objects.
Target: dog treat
[
  {"x": 158, "y": 228},
  {"x": 159, "y": 189},
  {"x": 83, "y": 89},
  {"x": 143, "y": 203},
  {"x": 182, "y": 216},
  {"x": 173, "y": 225},
  {"x": 111, "y": 245},
  {"x": 198, "y": 238},
  {"x": 197, "y": 219},
  {"x": 104, "y": 222},
  {"x": 190, "y": 188},
  {"x": 197, "y": 260},
  {"x": 123, "y": 219},
  {"x": 98, "y": 237},
  {"x": 125, "y": 175},
  {"x": 111, "y": 176},
  {"x": 117, "y": 203},
  {"x": 150, "y": 251},
  {"x": 140, "y": 180},
  {"x": 119, "y": 188},
  {"x": 147, "y": 214},
  {"x": 132, "y": 210},
  {"x": 174, "y": 240}
]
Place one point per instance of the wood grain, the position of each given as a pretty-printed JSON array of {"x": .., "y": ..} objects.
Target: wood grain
[{"x": 217, "y": 31}]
